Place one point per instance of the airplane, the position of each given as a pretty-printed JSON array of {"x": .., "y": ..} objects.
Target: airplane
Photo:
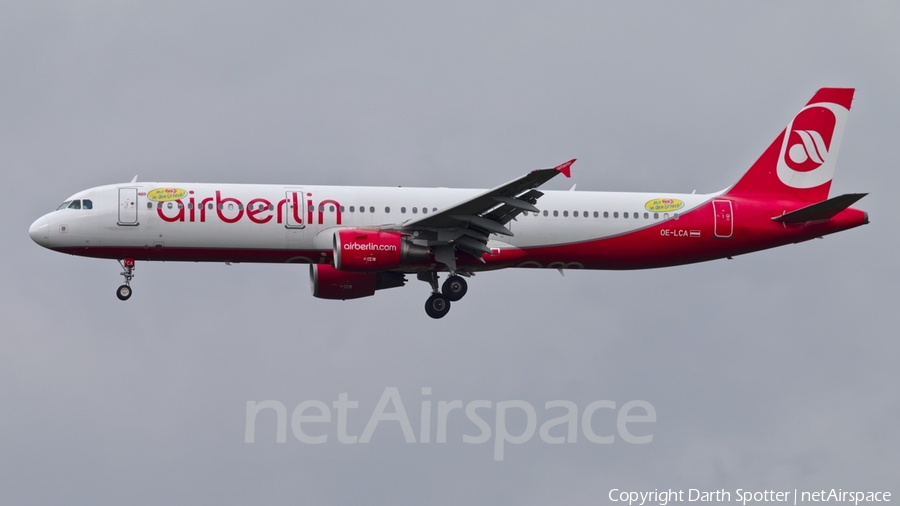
[{"x": 358, "y": 240}]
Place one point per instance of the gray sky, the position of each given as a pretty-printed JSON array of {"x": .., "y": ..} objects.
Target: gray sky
[{"x": 776, "y": 370}]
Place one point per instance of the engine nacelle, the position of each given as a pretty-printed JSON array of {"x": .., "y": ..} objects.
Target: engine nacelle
[
  {"x": 327, "y": 282},
  {"x": 373, "y": 251}
]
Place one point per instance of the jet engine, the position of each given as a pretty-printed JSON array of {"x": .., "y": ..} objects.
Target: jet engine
[
  {"x": 373, "y": 251},
  {"x": 327, "y": 282}
]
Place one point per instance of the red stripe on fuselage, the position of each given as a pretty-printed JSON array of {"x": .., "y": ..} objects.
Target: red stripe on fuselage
[{"x": 673, "y": 243}]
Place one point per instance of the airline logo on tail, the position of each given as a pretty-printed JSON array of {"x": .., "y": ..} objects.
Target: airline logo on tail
[{"x": 810, "y": 145}]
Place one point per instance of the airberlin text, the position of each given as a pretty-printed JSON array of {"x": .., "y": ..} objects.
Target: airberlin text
[
  {"x": 514, "y": 422},
  {"x": 364, "y": 246},
  {"x": 289, "y": 210}
]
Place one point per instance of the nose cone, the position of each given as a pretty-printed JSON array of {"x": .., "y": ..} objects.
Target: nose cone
[{"x": 40, "y": 231}]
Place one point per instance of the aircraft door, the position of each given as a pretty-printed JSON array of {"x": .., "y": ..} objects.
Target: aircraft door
[
  {"x": 294, "y": 209},
  {"x": 295, "y": 224},
  {"x": 128, "y": 209},
  {"x": 724, "y": 218}
]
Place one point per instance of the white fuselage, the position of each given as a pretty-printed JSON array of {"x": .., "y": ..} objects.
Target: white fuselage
[{"x": 231, "y": 217}]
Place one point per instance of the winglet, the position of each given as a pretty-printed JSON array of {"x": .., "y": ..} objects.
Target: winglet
[{"x": 566, "y": 168}]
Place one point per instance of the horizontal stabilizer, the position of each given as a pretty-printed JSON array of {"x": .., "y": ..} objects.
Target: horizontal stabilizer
[{"x": 821, "y": 211}]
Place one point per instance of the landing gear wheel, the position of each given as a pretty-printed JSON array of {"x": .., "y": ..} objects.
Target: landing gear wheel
[
  {"x": 437, "y": 306},
  {"x": 124, "y": 292},
  {"x": 454, "y": 288}
]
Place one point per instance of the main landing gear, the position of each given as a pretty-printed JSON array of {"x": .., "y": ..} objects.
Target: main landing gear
[
  {"x": 453, "y": 289},
  {"x": 124, "y": 291},
  {"x": 437, "y": 306}
]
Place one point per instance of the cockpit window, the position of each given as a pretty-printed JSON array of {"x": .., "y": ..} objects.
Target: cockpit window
[{"x": 76, "y": 204}]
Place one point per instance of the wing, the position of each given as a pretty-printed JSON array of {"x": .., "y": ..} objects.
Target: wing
[{"x": 467, "y": 225}]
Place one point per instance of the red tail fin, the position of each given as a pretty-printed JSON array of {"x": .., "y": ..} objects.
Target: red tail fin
[{"x": 800, "y": 162}]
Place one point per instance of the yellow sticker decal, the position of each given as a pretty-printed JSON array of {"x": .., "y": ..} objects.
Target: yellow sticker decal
[
  {"x": 166, "y": 194},
  {"x": 663, "y": 205}
]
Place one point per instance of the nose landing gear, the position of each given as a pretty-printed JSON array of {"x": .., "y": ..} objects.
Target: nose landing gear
[{"x": 124, "y": 291}]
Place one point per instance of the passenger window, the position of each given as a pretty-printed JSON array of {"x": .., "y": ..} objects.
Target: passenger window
[
  {"x": 606, "y": 214},
  {"x": 665, "y": 216},
  {"x": 76, "y": 204},
  {"x": 655, "y": 216},
  {"x": 596, "y": 214},
  {"x": 616, "y": 214},
  {"x": 575, "y": 214},
  {"x": 415, "y": 210},
  {"x": 87, "y": 204},
  {"x": 434, "y": 209},
  {"x": 424, "y": 210},
  {"x": 311, "y": 208},
  {"x": 585, "y": 214},
  {"x": 675, "y": 216},
  {"x": 342, "y": 208},
  {"x": 149, "y": 205},
  {"x": 566, "y": 214},
  {"x": 230, "y": 206},
  {"x": 352, "y": 209},
  {"x": 646, "y": 215},
  {"x": 555, "y": 213},
  {"x": 402, "y": 210},
  {"x": 545, "y": 213},
  {"x": 209, "y": 206},
  {"x": 180, "y": 205},
  {"x": 331, "y": 209},
  {"x": 624, "y": 215},
  {"x": 169, "y": 205},
  {"x": 362, "y": 209},
  {"x": 387, "y": 210}
]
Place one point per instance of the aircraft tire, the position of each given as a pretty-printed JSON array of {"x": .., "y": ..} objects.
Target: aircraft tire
[
  {"x": 437, "y": 306},
  {"x": 455, "y": 288},
  {"x": 123, "y": 292}
]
